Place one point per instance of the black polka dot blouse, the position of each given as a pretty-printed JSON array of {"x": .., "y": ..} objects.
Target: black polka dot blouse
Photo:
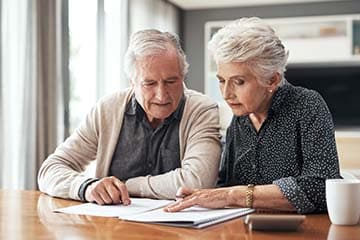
[{"x": 294, "y": 149}]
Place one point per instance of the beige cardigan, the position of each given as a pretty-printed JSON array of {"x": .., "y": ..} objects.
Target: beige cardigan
[{"x": 61, "y": 173}]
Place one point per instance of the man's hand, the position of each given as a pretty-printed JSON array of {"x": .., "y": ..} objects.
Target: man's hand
[
  {"x": 208, "y": 198},
  {"x": 108, "y": 190}
]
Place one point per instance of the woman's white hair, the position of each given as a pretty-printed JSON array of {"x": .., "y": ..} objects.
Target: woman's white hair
[
  {"x": 152, "y": 42},
  {"x": 254, "y": 42}
]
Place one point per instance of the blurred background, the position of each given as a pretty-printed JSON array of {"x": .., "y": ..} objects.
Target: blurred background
[{"x": 58, "y": 57}]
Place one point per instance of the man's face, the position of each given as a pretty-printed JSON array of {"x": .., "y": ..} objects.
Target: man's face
[{"x": 159, "y": 85}]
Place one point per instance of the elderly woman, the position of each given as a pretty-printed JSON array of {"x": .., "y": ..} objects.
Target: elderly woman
[{"x": 280, "y": 146}]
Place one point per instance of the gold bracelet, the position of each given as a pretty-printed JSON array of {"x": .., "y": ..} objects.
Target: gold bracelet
[{"x": 249, "y": 198}]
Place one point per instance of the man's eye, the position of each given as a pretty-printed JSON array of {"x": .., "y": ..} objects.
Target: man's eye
[
  {"x": 148, "y": 84},
  {"x": 221, "y": 81},
  {"x": 171, "y": 81},
  {"x": 239, "y": 82}
]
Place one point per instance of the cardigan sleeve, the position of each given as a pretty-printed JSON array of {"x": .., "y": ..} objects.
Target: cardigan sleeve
[
  {"x": 61, "y": 174},
  {"x": 320, "y": 161}
]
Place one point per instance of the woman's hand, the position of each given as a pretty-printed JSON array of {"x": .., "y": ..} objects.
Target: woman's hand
[{"x": 209, "y": 198}]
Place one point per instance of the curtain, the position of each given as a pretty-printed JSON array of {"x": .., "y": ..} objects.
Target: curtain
[
  {"x": 34, "y": 73},
  {"x": 1, "y": 104},
  {"x": 33, "y": 110},
  {"x": 112, "y": 31},
  {"x": 157, "y": 14}
]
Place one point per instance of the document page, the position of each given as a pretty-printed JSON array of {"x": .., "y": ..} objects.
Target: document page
[
  {"x": 138, "y": 205},
  {"x": 195, "y": 217}
]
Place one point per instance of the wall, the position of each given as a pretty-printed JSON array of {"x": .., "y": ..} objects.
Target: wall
[
  {"x": 193, "y": 22},
  {"x": 348, "y": 150}
]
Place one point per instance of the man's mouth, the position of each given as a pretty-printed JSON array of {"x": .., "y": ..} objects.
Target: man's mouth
[
  {"x": 162, "y": 104},
  {"x": 234, "y": 104}
]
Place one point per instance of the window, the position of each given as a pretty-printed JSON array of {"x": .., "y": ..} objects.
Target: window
[
  {"x": 82, "y": 62},
  {"x": 98, "y": 35}
]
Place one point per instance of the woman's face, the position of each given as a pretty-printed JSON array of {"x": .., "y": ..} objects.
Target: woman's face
[{"x": 242, "y": 90}]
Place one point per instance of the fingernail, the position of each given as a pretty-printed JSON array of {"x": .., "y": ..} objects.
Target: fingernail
[{"x": 126, "y": 202}]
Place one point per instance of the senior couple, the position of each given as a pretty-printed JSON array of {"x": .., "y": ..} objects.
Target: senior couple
[{"x": 158, "y": 139}]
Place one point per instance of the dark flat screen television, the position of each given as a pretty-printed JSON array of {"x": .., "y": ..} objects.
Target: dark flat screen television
[{"x": 339, "y": 86}]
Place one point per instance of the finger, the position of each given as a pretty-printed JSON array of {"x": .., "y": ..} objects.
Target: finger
[
  {"x": 101, "y": 188},
  {"x": 171, "y": 205},
  {"x": 124, "y": 194},
  {"x": 183, "y": 192},
  {"x": 114, "y": 193},
  {"x": 180, "y": 205},
  {"x": 93, "y": 195},
  {"x": 105, "y": 195},
  {"x": 97, "y": 198}
]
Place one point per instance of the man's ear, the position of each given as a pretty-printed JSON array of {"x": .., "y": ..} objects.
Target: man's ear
[{"x": 132, "y": 83}]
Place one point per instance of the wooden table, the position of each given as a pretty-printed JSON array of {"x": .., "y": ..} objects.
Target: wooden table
[{"x": 28, "y": 215}]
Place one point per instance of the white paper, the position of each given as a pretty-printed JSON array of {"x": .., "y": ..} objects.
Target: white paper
[
  {"x": 196, "y": 217},
  {"x": 138, "y": 205}
]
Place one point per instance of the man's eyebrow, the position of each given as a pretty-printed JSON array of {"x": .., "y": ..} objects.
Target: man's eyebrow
[
  {"x": 172, "y": 78},
  {"x": 167, "y": 79}
]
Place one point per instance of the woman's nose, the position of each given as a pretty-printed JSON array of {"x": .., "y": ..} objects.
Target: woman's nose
[{"x": 227, "y": 91}]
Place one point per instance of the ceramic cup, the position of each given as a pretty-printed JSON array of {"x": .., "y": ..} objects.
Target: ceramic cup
[
  {"x": 340, "y": 232},
  {"x": 343, "y": 201}
]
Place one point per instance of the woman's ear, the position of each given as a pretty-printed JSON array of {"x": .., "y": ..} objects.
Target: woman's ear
[{"x": 275, "y": 80}]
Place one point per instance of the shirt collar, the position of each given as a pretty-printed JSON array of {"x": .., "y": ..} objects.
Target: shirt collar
[
  {"x": 278, "y": 98},
  {"x": 132, "y": 106}
]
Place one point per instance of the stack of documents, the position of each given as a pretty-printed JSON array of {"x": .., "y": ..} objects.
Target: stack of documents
[{"x": 151, "y": 211}]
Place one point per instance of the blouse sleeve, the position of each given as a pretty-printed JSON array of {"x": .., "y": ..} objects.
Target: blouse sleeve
[{"x": 320, "y": 161}]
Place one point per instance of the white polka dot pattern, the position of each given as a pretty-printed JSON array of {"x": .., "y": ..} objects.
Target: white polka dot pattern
[{"x": 294, "y": 149}]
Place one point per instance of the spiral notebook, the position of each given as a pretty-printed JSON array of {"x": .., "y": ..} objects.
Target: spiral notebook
[{"x": 194, "y": 217}]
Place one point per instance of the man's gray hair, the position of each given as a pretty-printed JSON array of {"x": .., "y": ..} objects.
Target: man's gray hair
[
  {"x": 254, "y": 42},
  {"x": 152, "y": 42}
]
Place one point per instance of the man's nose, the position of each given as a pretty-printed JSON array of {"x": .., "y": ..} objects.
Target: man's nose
[{"x": 161, "y": 92}]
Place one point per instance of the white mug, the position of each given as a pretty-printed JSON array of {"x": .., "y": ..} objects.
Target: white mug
[
  {"x": 343, "y": 201},
  {"x": 339, "y": 232}
]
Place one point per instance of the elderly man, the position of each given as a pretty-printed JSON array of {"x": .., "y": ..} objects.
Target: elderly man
[{"x": 148, "y": 140}]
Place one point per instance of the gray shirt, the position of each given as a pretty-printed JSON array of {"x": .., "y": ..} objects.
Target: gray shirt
[{"x": 142, "y": 150}]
